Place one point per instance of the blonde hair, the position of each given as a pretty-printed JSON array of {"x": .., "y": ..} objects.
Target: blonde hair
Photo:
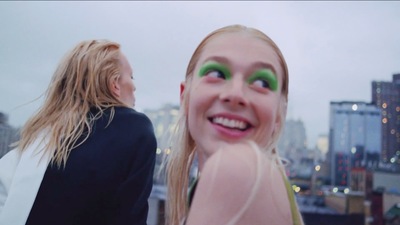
[
  {"x": 81, "y": 82},
  {"x": 182, "y": 156}
]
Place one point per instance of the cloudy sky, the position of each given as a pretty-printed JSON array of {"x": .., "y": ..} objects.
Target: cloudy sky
[{"x": 334, "y": 50}]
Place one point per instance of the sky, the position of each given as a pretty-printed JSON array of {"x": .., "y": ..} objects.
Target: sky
[{"x": 334, "y": 50}]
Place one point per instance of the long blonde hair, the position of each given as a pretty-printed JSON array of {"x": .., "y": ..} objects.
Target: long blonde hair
[
  {"x": 80, "y": 82},
  {"x": 182, "y": 156}
]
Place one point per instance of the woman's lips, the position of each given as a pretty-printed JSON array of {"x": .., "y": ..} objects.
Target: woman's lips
[{"x": 232, "y": 127}]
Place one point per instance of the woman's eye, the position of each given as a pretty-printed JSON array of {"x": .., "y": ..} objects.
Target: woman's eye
[
  {"x": 216, "y": 74},
  {"x": 264, "y": 79},
  {"x": 262, "y": 83},
  {"x": 215, "y": 70}
]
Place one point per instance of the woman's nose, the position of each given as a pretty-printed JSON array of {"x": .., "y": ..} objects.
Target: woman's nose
[{"x": 233, "y": 93}]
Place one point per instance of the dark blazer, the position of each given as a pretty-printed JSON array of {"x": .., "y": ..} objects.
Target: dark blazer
[{"x": 107, "y": 180}]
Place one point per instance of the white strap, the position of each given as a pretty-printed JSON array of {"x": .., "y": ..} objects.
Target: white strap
[
  {"x": 8, "y": 165},
  {"x": 22, "y": 183}
]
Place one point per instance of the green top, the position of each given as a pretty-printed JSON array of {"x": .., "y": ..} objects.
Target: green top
[
  {"x": 292, "y": 200},
  {"x": 192, "y": 189}
]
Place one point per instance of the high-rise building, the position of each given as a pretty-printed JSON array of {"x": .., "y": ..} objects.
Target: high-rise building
[
  {"x": 8, "y": 135},
  {"x": 293, "y": 139},
  {"x": 164, "y": 121},
  {"x": 354, "y": 139},
  {"x": 323, "y": 145},
  {"x": 386, "y": 96}
]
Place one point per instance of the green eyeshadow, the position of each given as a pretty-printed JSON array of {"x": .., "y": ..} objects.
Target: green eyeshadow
[
  {"x": 267, "y": 75},
  {"x": 212, "y": 66}
]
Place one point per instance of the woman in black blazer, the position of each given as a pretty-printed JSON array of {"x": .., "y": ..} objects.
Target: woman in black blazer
[{"x": 86, "y": 157}]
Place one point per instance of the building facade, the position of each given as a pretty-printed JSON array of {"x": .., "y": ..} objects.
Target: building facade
[
  {"x": 164, "y": 122},
  {"x": 354, "y": 139},
  {"x": 293, "y": 135},
  {"x": 386, "y": 96},
  {"x": 8, "y": 135}
]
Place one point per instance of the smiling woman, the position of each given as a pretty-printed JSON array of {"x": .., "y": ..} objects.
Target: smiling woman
[{"x": 233, "y": 106}]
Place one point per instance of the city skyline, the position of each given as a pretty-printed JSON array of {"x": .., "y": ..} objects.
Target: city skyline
[{"x": 334, "y": 50}]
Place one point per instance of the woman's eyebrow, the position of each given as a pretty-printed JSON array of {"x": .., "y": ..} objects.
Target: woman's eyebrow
[
  {"x": 220, "y": 59},
  {"x": 264, "y": 65}
]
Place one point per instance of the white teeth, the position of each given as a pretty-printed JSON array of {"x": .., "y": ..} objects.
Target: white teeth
[{"x": 229, "y": 123}]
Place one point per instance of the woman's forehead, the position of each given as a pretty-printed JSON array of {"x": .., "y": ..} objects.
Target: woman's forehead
[{"x": 243, "y": 48}]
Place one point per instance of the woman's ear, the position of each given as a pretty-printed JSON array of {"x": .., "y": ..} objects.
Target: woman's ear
[
  {"x": 183, "y": 95},
  {"x": 182, "y": 90},
  {"x": 281, "y": 115},
  {"x": 115, "y": 88}
]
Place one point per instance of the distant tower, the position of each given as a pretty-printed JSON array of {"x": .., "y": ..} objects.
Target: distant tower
[
  {"x": 323, "y": 144},
  {"x": 293, "y": 139},
  {"x": 8, "y": 135},
  {"x": 164, "y": 121},
  {"x": 386, "y": 96},
  {"x": 354, "y": 139}
]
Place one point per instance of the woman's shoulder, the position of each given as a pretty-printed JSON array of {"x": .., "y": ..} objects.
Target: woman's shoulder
[
  {"x": 222, "y": 189},
  {"x": 130, "y": 112},
  {"x": 239, "y": 183},
  {"x": 130, "y": 116},
  {"x": 243, "y": 164},
  {"x": 236, "y": 161},
  {"x": 128, "y": 125}
]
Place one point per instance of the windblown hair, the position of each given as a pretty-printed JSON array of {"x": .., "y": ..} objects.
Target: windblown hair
[
  {"x": 181, "y": 158},
  {"x": 80, "y": 83}
]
